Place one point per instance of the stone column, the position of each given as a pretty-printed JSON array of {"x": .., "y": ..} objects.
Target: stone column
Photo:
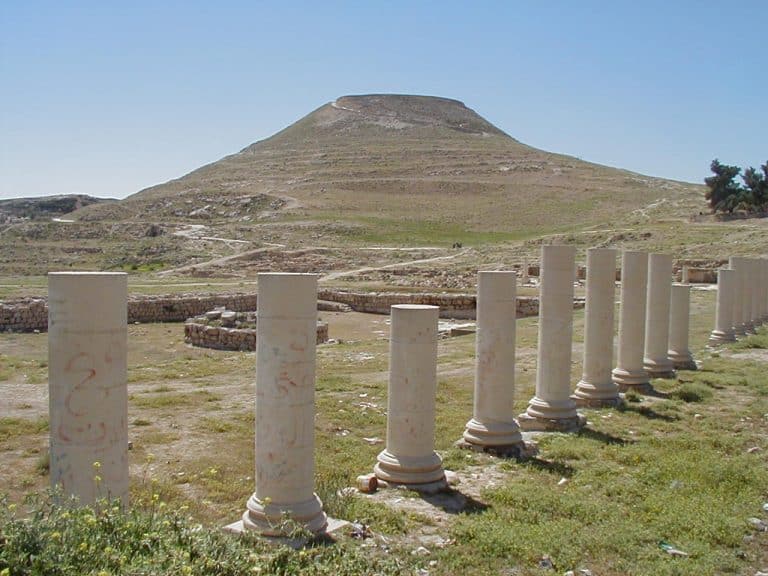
[
  {"x": 679, "y": 323},
  {"x": 685, "y": 278},
  {"x": 656, "y": 360},
  {"x": 87, "y": 382},
  {"x": 764, "y": 291},
  {"x": 524, "y": 276},
  {"x": 552, "y": 408},
  {"x": 285, "y": 405},
  {"x": 726, "y": 283},
  {"x": 492, "y": 424},
  {"x": 755, "y": 296},
  {"x": 741, "y": 302},
  {"x": 629, "y": 371},
  {"x": 596, "y": 387},
  {"x": 410, "y": 458}
]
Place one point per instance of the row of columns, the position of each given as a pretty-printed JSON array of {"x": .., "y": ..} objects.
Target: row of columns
[
  {"x": 742, "y": 299},
  {"x": 89, "y": 392}
]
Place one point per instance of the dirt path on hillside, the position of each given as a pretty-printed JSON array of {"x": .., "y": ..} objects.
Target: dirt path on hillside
[{"x": 342, "y": 274}]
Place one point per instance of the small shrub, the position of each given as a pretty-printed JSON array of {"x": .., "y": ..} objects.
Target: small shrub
[{"x": 692, "y": 392}]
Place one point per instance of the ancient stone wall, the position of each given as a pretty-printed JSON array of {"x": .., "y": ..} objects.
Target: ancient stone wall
[
  {"x": 221, "y": 338},
  {"x": 30, "y": 314}
]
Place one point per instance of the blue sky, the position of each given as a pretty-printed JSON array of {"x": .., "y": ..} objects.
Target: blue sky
[{"x": 107, "y": 97}]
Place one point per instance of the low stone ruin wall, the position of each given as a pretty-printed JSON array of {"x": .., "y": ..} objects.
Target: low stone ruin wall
[
  {"x": 702, "y": 276},
  {"x": 222, "y": 338},
  {"x": 30, "y": 314}
]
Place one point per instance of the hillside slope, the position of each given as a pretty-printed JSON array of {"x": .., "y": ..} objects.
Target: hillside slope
[{"x": 401, "y": 158}]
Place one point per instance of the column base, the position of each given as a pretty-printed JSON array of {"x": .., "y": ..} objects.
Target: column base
[
  {"x": 531, "y": 423},
  {"x": 596, "y": 395},
  {"x": 682, "y": 360},
  {"x": 409, "y": 471},
  {"x": 717, "y": 337},
  {"x": 519, "y": 451},
  {"x": 266, "y": 518},
  {"x": 739, "y": 330},
  {"x": 634, "y": 379},
  {"x": 661, "y": 368},
  {"x": 489, "y": 434},
  {"x": 749, "y": 328}
]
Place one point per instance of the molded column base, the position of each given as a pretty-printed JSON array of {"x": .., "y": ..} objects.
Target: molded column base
[
  {"x": 415, "y": 473},
  {"x": 492, "y": 433},
  {"x": 596, "y": 395},
  {"x": 631, "y": 379},
  {"x": 538, "y": 424},
  {"x": 266, "y": 518},
  {"x": 519, "y": 451},
  {"x": 718, "y": 337},
  {"x": 663, "y": 368},
  {"x": 682, "y": 360}
]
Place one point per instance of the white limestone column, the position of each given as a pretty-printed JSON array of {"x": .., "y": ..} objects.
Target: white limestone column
[
  {"x": 756, "y": 274},
  {"x": 87, "y": 381},
  {"x": 764, "y": 290},
  {"x": 741, "y": 302},
  {"x": 685, "y": 275},
  {"x": 285, "y": 405},
  {"x": 493, "y": 423},
  {"x": 656, "y": 360},
  {"x": 410, "y": 456},
  {"x": 596, "y": 387},
  {"x": 552, "y": 408},
  {"x": 629, "y": 371},
  {"x": 679, "y": 324},
  {"x": 524, "y": 277},
  {"x": 726, "y": 284}
]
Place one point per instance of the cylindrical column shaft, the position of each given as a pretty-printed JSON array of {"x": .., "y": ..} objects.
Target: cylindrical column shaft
[
  {"x": 726, "y": 284},
  {"x": 410, "y": 456},
  {"x": 552, "y": 402},
  {"x": 764, "y": 290},
  {"x": 741, "y": 302},
  {"x": 756, "y": 274},
  {"x": 493, "y": 423},
  {"x": 679, "y": 323},
  {"x": 596, "y": 387},
  {"x": 656, "y": 359},
  {"x": 87, "y": 379},
  {"x": 285, "y": 405},
  {"x": 629, "y": 371},
  {"x": 685, "y": 275}
]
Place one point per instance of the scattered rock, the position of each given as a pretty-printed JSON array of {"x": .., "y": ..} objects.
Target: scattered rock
[
  {"x": 562, "y": 482},
  {"x": 374, "y": 440},
  {"x": 753, "y": 449},
  {"x": 758, "y": 524},
  {"x": 546, "y": 563},
  {"x": 421, "y": 551}
]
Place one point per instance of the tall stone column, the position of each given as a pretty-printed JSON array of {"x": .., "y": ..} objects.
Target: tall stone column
[
  {"x": 742, "y": 303},
  {"x": 285, "y": 405},
  {"x": 552, "y": 408},
  {"x": 596, "y": 387},
  {"x": 726, "y": 285},
  {"x": 679, "y": 323},
  {"x": 685, "y": 275},
  {"x": 656, "y": 360},
  {"x": 87, "y": 381},
  {"x": 764, "y": 291},
  {"x": 524, "y": 276},
  {"x": 629, "y": 371},
  {"x": 756, "y": 273},
  {"x": 493, "y": 424},
  {"x": 410, "y": 458}
]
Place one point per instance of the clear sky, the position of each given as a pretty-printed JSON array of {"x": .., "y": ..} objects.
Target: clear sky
[{"x": 106, "y": 97}]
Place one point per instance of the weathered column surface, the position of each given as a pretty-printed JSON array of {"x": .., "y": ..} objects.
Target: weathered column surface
[
  {"x": 742, "y": 306},
  {"x": 629, "y": 371},
  {"x": 755, "y": 296},
  {"x": 596, "y": 387},
  {"x": 87, "y": 379},
  {"x": 493, "y": 423},
  {"x": 726, "y": 288},
  {"x": 410, "y": 456},
  {"x": 656, "y": 360},
  {"x": 684, "y": 275},
  {"x": 679, "y": 323},
  {"x": 552, "y": 408},
  {"x": 285, "y": 405},
  {"x": 524, "y": 276},
  {"x": 764, "y": 290}
]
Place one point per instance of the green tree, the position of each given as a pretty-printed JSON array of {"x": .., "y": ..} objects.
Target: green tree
[
  {"x": 756, "y": 187},
  {"x": 724, "y": 194}
]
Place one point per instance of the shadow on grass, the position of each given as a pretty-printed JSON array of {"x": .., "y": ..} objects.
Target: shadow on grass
[
  {"x": 648, "y": 412},
  {"x": 603, "y": 437},
  {"x": 454, "y": 502},
  {"x": 558, "y": 468}
]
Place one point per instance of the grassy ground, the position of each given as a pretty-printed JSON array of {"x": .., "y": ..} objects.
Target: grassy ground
[{"x": 687, "y": 467}]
